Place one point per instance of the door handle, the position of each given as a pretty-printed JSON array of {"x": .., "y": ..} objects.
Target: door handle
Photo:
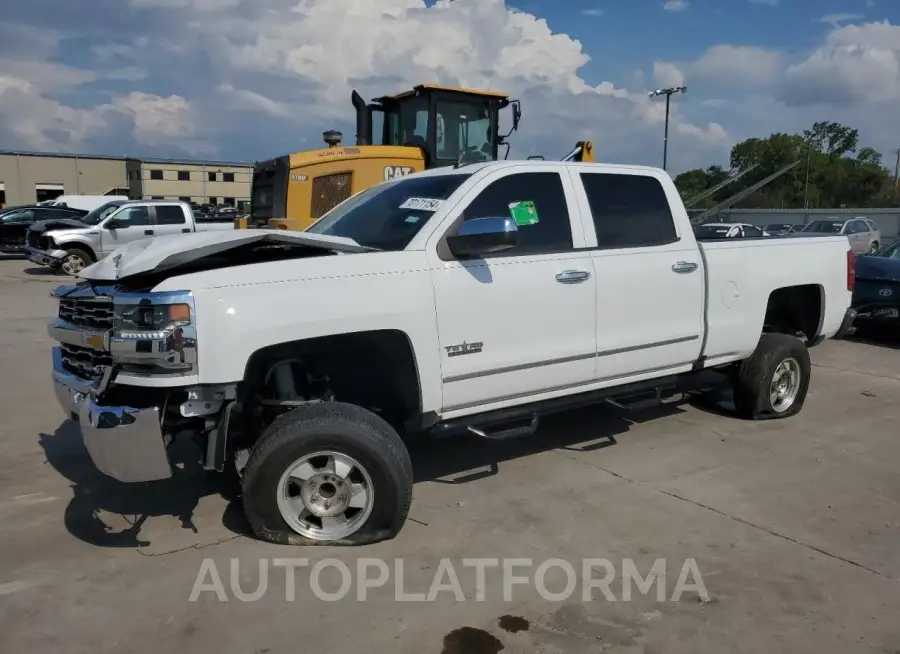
[
  {"x": 185, "y": 231},
  {"x": 148, "y": 232},
  {"x": 684, "y": 266},
  {"x": 572, "y": 276}
]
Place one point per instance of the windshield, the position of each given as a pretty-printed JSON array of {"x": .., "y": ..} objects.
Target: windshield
[
  {"x": 824, "y": 227},
  {"x": 712, "y": 231},
  {"x": 94, "y": 217},
  {"x": 389, "y": 215}
]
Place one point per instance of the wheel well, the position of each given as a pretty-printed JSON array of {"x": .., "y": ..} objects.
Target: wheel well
[
  {"x": 795, "y": 310},
  {"x": 375, "y": 369},
  {"x": 79, "y": 246}
]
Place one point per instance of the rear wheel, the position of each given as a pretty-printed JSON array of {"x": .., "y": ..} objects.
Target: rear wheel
[
  {"x": 774, "y": 381},
  {"x": 328, "y": 473},
  {"x": 75, "y": 261},
  {"x": 874, "y": 246}
]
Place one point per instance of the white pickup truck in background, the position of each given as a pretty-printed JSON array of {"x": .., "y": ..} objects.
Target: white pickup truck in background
[
  {"x": 71, "y": 245},
  {"x": 469, "y": 300}
]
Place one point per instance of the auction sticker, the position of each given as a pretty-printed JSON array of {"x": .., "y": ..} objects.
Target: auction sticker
[{"x": 422, "y": 204}]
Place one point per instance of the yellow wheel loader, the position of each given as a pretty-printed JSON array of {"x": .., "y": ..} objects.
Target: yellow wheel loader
[{"x": 427, "y": 127}]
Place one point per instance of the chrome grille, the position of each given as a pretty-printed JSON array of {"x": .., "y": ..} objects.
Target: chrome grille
[
  {"x": 95, "y": 313},
  {"x": 84, "y": 362}
]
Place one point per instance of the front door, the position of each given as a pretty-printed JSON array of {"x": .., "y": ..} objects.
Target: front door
[
  {"x": 134, "y": 224},
  {"x": 517, "y": 325},
  {"x": 13, "y": 227},
  {"x": 650, "y": 285}
]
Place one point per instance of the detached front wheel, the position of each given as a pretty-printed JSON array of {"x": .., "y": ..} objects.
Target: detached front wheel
[
  {"x": 774, "y": 381},
  {"x": 328, "y": 473}
]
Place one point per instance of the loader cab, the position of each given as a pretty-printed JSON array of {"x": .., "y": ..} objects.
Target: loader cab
[{"x": 450, "y": 125}]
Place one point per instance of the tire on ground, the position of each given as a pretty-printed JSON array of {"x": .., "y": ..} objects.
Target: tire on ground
[
  {"x": 754, "y": 376},
  {"x": 338, "y": 427},
  {"x": 78, "y": 252}
]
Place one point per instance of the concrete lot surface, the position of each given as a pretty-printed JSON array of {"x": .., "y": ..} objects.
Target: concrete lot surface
[{"x": 794, "y": 526}]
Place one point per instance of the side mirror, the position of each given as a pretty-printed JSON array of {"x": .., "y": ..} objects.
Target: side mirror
[
  {"x": 517, "y": 115},
  {"x": 481, "y": 236},
  {"x": 116, "y": 223}
]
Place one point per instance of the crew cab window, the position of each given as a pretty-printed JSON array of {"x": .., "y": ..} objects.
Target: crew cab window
[
  {"x": 134, "y": 216},
  {"x": 629, "y": 210},
  {"x": 169, "y": 214},
  {"x": 537, "y": 202},
  {"x": 752, "y": 232},
  {"x": 25, "y": 216}
]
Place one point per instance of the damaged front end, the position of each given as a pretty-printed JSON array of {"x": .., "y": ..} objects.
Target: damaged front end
[{"x": 125, "y": 370}]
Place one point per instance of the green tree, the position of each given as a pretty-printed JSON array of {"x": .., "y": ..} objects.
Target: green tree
[{"x": 828, "y": 175}]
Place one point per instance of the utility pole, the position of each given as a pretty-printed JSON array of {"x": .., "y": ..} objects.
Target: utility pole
[
  {"x": 668, "y": 93},
  {"x": 897, "y": 169}
]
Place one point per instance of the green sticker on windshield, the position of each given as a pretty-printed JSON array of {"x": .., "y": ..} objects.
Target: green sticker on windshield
[{"x": 524, "y": 213}]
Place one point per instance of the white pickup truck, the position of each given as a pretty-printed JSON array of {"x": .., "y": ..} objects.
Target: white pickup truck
[
  {"x": 70, "y": 245},
  {"x": 469, "y": 300}
]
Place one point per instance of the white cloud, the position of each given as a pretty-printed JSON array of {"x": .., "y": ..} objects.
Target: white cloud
[
  {"x": 667, "y": 74},
  {"x": 237, "y": 76},
  {"x": 675, "y": 5},
  {"x": 835, "y": 20}
]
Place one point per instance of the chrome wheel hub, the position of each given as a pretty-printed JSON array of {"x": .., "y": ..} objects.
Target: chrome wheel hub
[
  {"x": 325, "y": 495},
  {"x": 72, "y": 264},
  {"x": 785, "y": 385}
]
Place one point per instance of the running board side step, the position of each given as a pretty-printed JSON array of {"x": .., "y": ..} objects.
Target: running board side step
[
  {"x": 639, "y": 402},
  {"x": 519, "y": 431}
]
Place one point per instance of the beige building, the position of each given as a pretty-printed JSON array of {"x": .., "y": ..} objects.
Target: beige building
[
  {"x": 202, "y": 182},
  {"x": 28, "y": 177}
]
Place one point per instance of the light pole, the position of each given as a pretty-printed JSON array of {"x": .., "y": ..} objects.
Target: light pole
[{"x": 668, "y": 93}]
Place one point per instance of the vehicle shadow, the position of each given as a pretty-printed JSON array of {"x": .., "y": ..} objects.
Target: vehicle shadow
[
  {"x": 877, "y": 334},
  {"x": 42, "y": 271},
  {"x": 94, "y": 493},
  {"x": 455, "y": 460}
]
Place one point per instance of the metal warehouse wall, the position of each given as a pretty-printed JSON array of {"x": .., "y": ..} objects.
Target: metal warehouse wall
[
  {"x": 888, "y": 220},
  {"x": 19, "y": 173}
]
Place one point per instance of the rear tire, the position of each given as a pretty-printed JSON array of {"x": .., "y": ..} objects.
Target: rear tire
[
  {"x": 874, "y": 246},
  {"x": 315, "y": 460},
  {"x": 774, "y": 381},
  {"x": 76, "y": 260}
]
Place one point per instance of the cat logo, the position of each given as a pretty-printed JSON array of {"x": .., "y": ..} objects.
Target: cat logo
[{"x": 393, "y": 172}]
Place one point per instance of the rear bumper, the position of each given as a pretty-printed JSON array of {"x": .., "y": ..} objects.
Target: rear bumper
[
  {"x": 51, "y": 258},
  {"x": 125, "y": 443}
]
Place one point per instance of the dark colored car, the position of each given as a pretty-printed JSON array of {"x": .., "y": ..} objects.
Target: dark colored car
[
  {"x": 876, "y": 292},
  {"x": 14, "y": 223},
  {"x": 780, "y": 229}
]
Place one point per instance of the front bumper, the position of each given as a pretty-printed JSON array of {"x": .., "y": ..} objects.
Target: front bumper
[
  {"x": 125, "y": 443},
  {"x": 51, "y": 258}
]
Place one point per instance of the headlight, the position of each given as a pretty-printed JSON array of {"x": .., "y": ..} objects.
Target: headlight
[
  {"x": 154, "y": 333},
  {"x": 147, "y": 320}
]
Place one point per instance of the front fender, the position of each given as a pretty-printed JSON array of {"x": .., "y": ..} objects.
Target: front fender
[
  {"x": 318, "y": 297},
  {"x": 64, "y": 239}
]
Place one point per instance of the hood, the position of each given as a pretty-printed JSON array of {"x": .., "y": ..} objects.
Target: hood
[
  {"x": 57, "y": 223},
  {"x": 167, "y": 253},
  {"x": 882, "y": 268}
]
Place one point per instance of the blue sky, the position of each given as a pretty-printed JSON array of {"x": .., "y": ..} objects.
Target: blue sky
[{"x": 249, "y": 79}]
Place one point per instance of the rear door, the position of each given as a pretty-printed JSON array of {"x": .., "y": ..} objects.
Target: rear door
[
  {"x": 650, "y": 286},
  {"x": 135, "y": 225},
  {"x": 516, "y": 324},
  {"x": 858, "y": 234},
  {"x": 169, "y": 219}
]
